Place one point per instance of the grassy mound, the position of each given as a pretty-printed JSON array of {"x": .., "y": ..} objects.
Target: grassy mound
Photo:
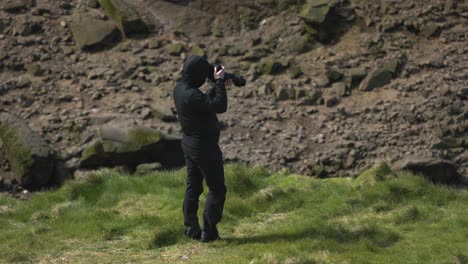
[{"x": 380, "y": 217}]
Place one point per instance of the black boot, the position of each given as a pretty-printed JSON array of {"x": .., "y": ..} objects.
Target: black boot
[
  {"x": 209, "y": 235},
  {"x": 193, "y": 232}
]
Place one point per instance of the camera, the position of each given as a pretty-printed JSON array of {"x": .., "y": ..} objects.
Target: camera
[{"x": 237, "y": 80}]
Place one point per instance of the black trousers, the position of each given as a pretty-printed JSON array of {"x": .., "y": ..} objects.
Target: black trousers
[{"x": 205, "y": 162}]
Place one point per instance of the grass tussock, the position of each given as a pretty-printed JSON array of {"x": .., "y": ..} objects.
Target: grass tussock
[{"x": 380, "y": 217}]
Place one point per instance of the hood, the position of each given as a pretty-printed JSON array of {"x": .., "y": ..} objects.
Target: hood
[{"x": 195, "y": 70}]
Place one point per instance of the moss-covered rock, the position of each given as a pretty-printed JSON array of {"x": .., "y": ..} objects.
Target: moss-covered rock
[
  {"x": 197, "y": 50},
  {"x": 31, "y": 160},
  {"x": 175, "y": 49},
  {"x": 126, "y": 17},
  {"x": 89, "y": 32},
  {"x": 270, "y": 67},
  {"x": 295, "y": 72},
  {"x": 130, "y": 147},
  {"x": 370, "y": 177},
  {"x": 284, "y": 93},
  {"x": 315, "y": 11}
]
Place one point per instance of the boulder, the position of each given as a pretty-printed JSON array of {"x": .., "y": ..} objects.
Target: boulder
[
  {"x": 436, "y": 170},
  {"x": 334, "y": 74},
  {"x": 90, "y": 32},
  {"x": 14, "y": 6},
  {"x": 380, "y": 76},
  {"x": 32, "y": 161},
  {"x": 339, "y": 89},
  {"x": 164, "y": 112},
  {"x": 315, "y": 11},
  {"x": 126, "y": 16},
  {"x": 271, "y": 67},
  {"x": 174, "y": 49},
  {"x": 354, "y": 77},
  {"x": 130, "y": 147}
]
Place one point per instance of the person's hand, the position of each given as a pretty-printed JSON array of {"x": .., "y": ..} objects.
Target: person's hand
[
  {"x": 219, "y": 74},
  {"x": 228, "y": 83}
]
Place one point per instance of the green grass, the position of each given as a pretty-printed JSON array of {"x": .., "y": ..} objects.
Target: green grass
[{"x": 380, "y": 217}]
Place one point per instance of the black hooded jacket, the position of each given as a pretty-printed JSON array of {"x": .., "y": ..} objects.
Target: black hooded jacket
[{"x": 196, "y": 110}]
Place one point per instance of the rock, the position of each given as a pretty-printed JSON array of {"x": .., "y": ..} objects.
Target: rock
[
  {"x": 331, "y": 101},
  {"x": 90, "y": 32},
  {"x": 197, "y": 50},
  {"x": 380, "y": 76},
  {"x": 147, "y": 168},
  {"x": 315, "y": 96},
  {"x": 318, "y": 171},
  {"x": 298, "y": 44},
  {"x": 31, "y": 159},
  {"x": 436, "y": 170},
  {"x": 271, "y": 67},
  {"x": 92, "y": 3},
  {"x": 463, "y": 93},
  {"x": 34, "y": 69},
  {"x": 23, "y": 82},
  {"x": 14, "y": 6},
  {"x": 295, "y": 72},
  {"x": 283, "y": 93},
  {"x": 450, "y": 5},
  {"x": 175, "y": 49},
  {"x": 322, "y": 81},
  {"x": 339, "y": 89},
  {"x": 154, "y": 44},
  {"x": 126, "y": 16},
  {"x": 254, "y": 55},
  {"x": 299, "y": 93},
  {"x": 163, "y": 112},
  {"x": 2, "y": 26},
  {"x": 266, "y": 89},
  {"x": 130, "y": 147},
  {"x": 334, "y": 74},
  {"x": 456, "y": 107},
  {"x": 315, "y": 11},
  {"x": 354, "y": 77},
  {"x": 430, "y": 30},
  {"x": 28, "y": 27}
]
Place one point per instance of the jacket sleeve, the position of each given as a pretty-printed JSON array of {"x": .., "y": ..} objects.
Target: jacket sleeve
[{"x": 214, "y": 101}]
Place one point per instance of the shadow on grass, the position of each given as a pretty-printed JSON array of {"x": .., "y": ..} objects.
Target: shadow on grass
[
  {"x": 165, "y": 237},
  {"x": 377, "y": 237}
]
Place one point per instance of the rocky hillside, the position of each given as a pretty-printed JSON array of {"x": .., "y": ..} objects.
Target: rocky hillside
[{"x": 333, "y": 85}]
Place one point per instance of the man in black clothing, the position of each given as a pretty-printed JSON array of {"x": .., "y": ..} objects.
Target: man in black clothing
[{"x": 197, "y": 116}]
